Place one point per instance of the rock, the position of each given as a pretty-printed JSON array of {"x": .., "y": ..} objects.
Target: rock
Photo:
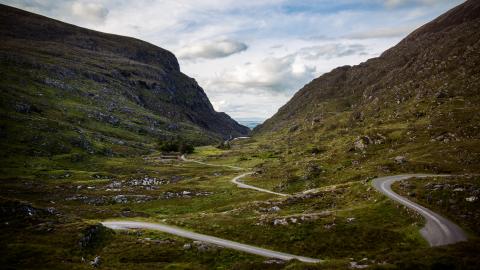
[
  {"x": 280, "y": 221},
  {"x": 400, "y": 159},
  {"x": 204, "y": 247},
  {"x": 274, "y": 261},
  {"x": 350, "y": 219},
  {"x": 355, "y": 265},
  {"x": 471, "y": 199},
  {"x": 131, "y": 198},
  {"x": 183, "y": 194},
  {"x": 96, "y": 261},
  {"x": 120, "y": 199},
  {"x": 274, "y": 209},
  {"x": 294, "y": 128},
  {"x": 459, "y": 189},
  {"x": 329, "y": 226},
  {"x": 187, "y": 246},
  {"x": 362, "y": 143}
]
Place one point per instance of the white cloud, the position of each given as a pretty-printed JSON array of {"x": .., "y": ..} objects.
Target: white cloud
[
  {"x": 383, "y": 32},
  {"x": 282, "y": 52},
  {"x": 212, "y": 49},
  {"x": 331, "y": 50},
  {"x": 283, "y": 74},
  {"x": 90, "y": 12},
  {"x": 398, "y": 3}
]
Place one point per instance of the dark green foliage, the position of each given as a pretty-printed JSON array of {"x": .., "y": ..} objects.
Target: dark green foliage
[
  {"x": 185, "y": 148},
  {"x": 175, "y": 146}
]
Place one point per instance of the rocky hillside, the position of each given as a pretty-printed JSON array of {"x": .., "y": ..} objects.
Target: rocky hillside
[
  {"x": 66, "y": 89},
  {"x": 418, "y": 102}
]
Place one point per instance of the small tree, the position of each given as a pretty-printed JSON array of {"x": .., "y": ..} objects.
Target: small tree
[
  {"x": 168, "y": 146},
  {"x": 185, "y": 148},
  {"x": 175, "y": 146}
]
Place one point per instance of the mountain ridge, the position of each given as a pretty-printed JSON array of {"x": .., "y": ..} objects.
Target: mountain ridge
[
  {"x": 338, "y": 77},
  {"x": 79, "y": 80},
  {"x": 412, "y": 109}
]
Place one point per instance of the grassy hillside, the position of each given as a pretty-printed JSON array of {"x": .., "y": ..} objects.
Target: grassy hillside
[
  {"x": 71, "y": 91},
  {"x": 413, "y": 109},
  {"x": 81, "y": 114}
]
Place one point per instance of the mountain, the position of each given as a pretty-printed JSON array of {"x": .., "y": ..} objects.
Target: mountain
[
  {"x": 417, "y": 102},
  {"x": 66, "y": 89}
]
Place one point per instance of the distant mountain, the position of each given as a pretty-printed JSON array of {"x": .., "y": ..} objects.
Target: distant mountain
[
  {"x": 250, "y": 122},
  {"x": 419, "y": 99},
  {"x": 65, "y": 88}
]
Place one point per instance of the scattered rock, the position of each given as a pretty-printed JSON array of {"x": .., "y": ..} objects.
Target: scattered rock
[
  {"x": 274, "y": 261},
  {"x": 355, "y": 265},
  {"x": 131, "y": 198},
  {"x": 280, "y": 221},
  {"x": 400, "y": 159},
  {"x": 271, "y": 209},
  {"x": 471, "y": 199},
  {"x": 203, "y": 246},
  {"x": 184, "y": 194},
  {"x": 294, "y": 128},
  {"x": 361, "y": 143},
  {"x": 96, "y": 261}
]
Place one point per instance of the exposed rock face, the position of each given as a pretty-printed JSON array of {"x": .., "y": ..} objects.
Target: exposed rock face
[{"x": 74, "y": 77}]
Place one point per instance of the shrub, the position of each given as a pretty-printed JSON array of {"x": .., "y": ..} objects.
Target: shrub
[
  {"x": 175, "y": 146},
  {"x": 186, "y": 148}
]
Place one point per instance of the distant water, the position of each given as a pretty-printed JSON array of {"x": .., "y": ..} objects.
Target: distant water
[{"x": 250, "y": 122}]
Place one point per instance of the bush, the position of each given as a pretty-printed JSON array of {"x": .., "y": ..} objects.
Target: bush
[
  {"x": 175, "y": 146},
  {"x": 186, "y": 148}
]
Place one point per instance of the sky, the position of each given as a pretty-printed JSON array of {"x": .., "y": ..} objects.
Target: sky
[{"x": 251, "y": 56}]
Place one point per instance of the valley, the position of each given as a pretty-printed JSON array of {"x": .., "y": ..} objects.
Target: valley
[
  {"x": 113, "y": 158},
  {"x": 332, "y": 222}
]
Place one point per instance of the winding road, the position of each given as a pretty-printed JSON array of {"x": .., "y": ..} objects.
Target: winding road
[
  {"x": 438, "y": 231},
  {"x": 236, "y": 180},
  {"x": 123, "y": 225}
]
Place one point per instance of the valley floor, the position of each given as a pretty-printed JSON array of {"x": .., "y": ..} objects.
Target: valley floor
[{"x": 51, "y": 211}]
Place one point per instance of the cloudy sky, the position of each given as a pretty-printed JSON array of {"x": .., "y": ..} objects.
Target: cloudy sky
[{"x": 251, "y": 56}]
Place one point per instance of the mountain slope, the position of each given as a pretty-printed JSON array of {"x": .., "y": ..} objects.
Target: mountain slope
[
  {"x": 66, "y": 88},
  {"x": 418, "y": 100}
]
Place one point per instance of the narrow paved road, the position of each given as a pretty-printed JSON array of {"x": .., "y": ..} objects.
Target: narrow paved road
[
  {"x": 209, "y": 164},
  {"x": 122, "y": 225},
  {"x": 236, "y": 180},
  {"x": 438, "y": 230}
]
